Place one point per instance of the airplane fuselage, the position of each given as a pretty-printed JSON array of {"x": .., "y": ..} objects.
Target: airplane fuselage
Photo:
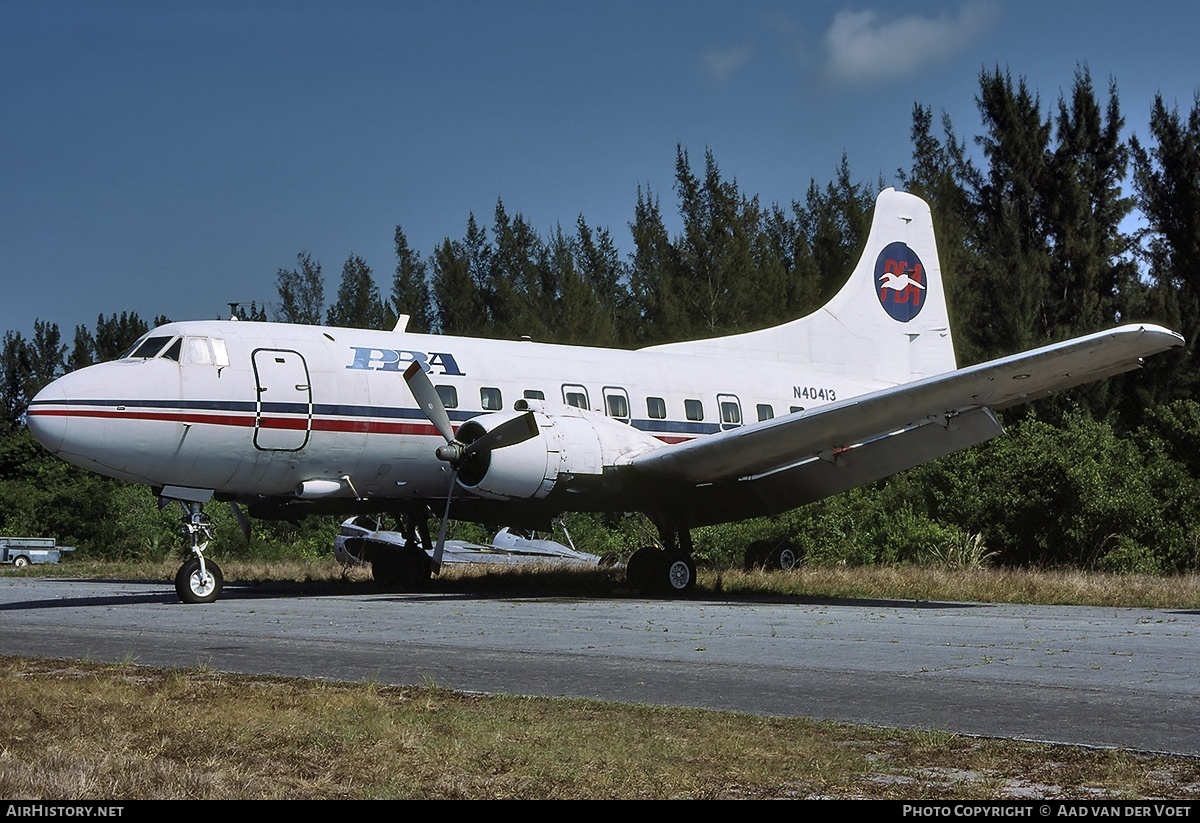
[{"x": 267, "y": 411}]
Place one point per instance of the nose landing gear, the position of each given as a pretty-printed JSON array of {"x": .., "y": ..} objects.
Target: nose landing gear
[{"x": 198, "y": 580}]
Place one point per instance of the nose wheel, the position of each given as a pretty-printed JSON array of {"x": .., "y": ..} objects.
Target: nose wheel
[{"x": 198, "y": 580}]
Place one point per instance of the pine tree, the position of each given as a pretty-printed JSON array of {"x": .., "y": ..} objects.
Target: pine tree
[
  {"x": 410, "y": 286},
  {"x": 46, "y": 353},
  {"x": 1091, "y": 264},
  {"x": 606, "y": 279},
  {"x": 944, "y": 177},
  {"x": 519, "y": 292},
  {"x": 301, "y": 292},
  {"x": 576, "y": 316},
  {"x": 358, "y": 304},
  {"x": 800, "y": 287},
  {"x": 1093, "y": 278},
  {"x": 458, "y": 302},
  {"x": 1167, "y": 182},
  {"x": 659, "y": 315},
  {"x": 1014, "y": 252},
  {"x": 83, "y": 349},
  {"x": 836, "y": 222},
  {"x": 728, "y": 278},
  {"x": 15, "y": 369},
  {"x": 114, "y": 335}
]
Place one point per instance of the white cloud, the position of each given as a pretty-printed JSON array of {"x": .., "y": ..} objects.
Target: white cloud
[
  {"x": 862, "y": 46},
  {"x": 722, "y": 63}
]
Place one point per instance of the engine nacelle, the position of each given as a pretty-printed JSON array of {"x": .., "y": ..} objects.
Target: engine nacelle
[{"x": 570, "y": 442}]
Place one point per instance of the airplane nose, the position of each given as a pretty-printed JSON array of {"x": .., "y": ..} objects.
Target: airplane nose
[{"x": 46, "y": 425}]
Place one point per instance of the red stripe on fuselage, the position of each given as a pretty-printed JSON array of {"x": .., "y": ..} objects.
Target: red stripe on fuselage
[
  {"x": 326, "y": 424},
  {"x": 248, "y": 421}
]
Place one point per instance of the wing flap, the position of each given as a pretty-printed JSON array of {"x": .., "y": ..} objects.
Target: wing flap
[
  {"x": 830, "y": 474},
  {"x": 787, "y": 441}
]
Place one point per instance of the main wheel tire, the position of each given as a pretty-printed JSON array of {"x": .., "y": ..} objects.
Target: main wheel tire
[
  {"x": 641, "y": 571},
  {"x": 757, "y": 554},
  {"x": 400, "y": 570},
  {"x": 192, "y": 588},
  {"x": 680, "y": 574},
  {"x": 785, "y": 557}
]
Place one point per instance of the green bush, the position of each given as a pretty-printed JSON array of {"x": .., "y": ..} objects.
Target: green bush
[{"x": 1129, "y": 556}]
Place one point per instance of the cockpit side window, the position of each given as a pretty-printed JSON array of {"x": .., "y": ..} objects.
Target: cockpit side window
[
  {"x": 220, "y": 353},
  {"x": 196, "y": 351},
  {"x": 172, "y": 351}
]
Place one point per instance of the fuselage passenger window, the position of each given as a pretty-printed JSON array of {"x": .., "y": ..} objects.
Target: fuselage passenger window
[
  {"x": 693, "y": 409},
  {"x": 795, "y": 409},
  {"x": 731, "y": 413},
  {"x": 765, "y": 412},
  {"x": 534, "y": 394},
  {"x": 656, "y": 408},
  {"x": 576, "y": 396},
  {"x": 618, "y": 406},
  {"x": 490, "y": 400},
  {"x": 448, "y": 395}
]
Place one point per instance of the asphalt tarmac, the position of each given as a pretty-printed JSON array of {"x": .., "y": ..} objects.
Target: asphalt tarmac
[{"x": 1094, "y": 676}]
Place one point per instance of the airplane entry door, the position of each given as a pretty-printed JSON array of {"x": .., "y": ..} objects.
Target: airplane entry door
[{"x": 283, "y": 413}]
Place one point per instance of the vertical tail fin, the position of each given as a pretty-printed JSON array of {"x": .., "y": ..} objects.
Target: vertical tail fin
[
  {"x": 887, "y": 325},
  {"x": 893, "y": 307}
]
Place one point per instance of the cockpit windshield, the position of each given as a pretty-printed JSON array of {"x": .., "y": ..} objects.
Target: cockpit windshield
[
  {"x": 205, "y": 351},
  {"x": 148, "y": 348}
]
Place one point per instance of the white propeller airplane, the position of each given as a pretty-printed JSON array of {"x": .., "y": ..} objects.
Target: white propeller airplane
[{"x": 289, "y": 419}]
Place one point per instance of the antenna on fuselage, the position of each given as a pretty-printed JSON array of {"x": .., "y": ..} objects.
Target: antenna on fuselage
[{"x": 236, "y": 313}]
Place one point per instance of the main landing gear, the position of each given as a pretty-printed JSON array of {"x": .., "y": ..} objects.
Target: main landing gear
[
  {"x": 669, "y": 570},
  {"x": 198, "y": 580},
  {"x": 403, "y": 568},
  {"x": 779, "y": 555}
]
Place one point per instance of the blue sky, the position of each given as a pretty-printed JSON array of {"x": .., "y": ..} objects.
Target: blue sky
[{"x": 169, "y": 157}]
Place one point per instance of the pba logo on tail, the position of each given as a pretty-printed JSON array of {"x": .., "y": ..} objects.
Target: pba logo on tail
[{"x": 900, "y": 282}]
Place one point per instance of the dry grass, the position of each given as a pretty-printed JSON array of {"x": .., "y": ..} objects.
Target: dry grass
[
  {"x": 91, "y": 732},
  {"x": 991, "y": 585},
  {"x": 977, "y": 585}
]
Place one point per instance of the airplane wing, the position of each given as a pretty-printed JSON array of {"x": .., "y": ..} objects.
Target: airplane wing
[{"x": 808, "y": 455}]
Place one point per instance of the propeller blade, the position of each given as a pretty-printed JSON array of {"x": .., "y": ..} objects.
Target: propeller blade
[
  {"x": 436, "y": 565},
  {"x": 427, "y": 398},
  {"x": 242, "y": 520},
  {"x": 508, "y": 433}
]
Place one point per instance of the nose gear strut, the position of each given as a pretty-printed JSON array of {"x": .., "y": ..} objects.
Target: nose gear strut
[{"x": 198, "y": 580}]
